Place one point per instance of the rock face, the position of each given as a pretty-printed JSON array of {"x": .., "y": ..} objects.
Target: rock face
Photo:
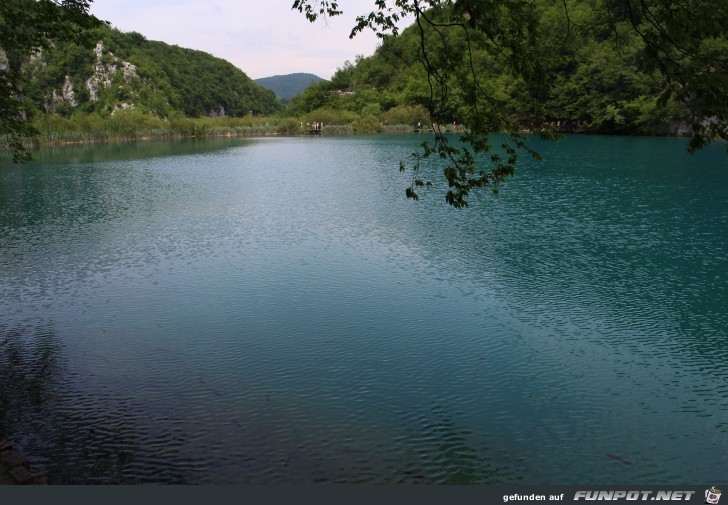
[
  {"x": 67, "y": 95},
  {"x": 106, "y": 68},
  {"x": 217, "y": 113},
  {"x": 101, "y": 78},
  {"x": 3, "y": 61},
  {"x": 130, "y": 72},
  {"x": 104, "y": 71}
]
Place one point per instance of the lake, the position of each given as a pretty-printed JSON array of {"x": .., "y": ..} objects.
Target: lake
[{"x": 275, "y": 310}]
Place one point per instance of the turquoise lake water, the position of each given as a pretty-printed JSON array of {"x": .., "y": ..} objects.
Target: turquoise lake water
[{"x": 275, "y": 311}]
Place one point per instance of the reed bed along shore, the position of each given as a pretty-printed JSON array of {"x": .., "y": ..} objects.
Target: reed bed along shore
[{"x": 59, "y": 133}]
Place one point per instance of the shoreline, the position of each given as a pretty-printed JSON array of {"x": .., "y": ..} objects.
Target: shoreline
[
  {"x": 336, "y": 130},
  {"x": 39, "y": 143}
]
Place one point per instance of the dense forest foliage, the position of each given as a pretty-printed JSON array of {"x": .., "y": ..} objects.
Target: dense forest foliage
[
  {"x": 595, "y": 78},
  {"x": 127, "y": 73}
]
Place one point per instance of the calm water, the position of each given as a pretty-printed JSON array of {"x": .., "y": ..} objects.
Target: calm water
[{"x": 275, "y": 311}]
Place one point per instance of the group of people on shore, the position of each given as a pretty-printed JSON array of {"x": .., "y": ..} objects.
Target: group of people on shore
[
  {"x": 315, "y": 126},
  {"x": 419, "y": 127}
]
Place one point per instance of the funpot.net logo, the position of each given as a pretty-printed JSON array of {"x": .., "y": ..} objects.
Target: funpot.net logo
[{"x": 616, "y": 495}]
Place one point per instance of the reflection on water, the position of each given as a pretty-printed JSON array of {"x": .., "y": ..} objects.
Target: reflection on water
[
  {"x": 275, "y": 311},
  {"x": 125, "y": 150},
  {"x": 31, "y": 369},
  {"x": 69, "y": 436}
]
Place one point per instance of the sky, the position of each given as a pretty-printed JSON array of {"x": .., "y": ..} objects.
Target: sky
[{"x": 261, "y": 37}]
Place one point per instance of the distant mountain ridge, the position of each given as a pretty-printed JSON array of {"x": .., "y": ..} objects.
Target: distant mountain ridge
[{"x": 287, "y": 86}]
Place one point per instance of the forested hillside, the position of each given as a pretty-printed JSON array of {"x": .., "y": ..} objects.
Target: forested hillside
[
  {"x": 589, "y": 75},
  {"x": 127, "y": 72}
]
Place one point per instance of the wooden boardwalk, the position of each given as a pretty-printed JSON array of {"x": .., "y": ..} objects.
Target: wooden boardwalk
[{"x": 14, "y": 467}]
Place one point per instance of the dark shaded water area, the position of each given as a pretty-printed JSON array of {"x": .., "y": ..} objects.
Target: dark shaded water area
[{"x": 275, "y": 311}]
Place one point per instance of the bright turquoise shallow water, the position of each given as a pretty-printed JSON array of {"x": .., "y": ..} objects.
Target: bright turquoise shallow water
[{"x": 275, "y": 311}]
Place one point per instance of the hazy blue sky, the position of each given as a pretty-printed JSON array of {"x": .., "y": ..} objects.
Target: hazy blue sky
[{"x": 262, "y": 37}]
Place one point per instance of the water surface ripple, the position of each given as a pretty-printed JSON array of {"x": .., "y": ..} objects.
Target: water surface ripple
[{"x": 275, "y": 311}]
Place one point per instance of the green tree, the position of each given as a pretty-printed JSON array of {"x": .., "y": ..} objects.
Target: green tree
[
  {"x": 26, "y": 27},
  {"x": 491, "y": 61}
]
